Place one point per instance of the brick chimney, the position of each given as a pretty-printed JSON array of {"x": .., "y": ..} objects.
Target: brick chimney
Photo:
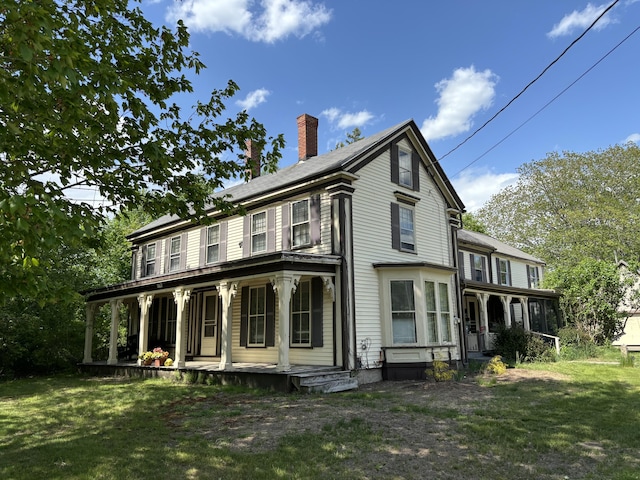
[
  {"x": 252, "y": 152},
  {"x": 307, "y": 137}
]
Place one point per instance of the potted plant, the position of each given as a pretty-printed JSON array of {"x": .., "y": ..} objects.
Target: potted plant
[{"x": 157, "y": 357}]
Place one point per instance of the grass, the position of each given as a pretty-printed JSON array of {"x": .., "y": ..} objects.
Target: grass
[{"x": 584, "y": 426}]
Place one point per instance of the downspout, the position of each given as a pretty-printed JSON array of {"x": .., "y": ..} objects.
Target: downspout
[{"x": 455, "y": 223}]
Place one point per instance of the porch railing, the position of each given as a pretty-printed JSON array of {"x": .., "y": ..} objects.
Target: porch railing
[{"x": 555, "y": 341}]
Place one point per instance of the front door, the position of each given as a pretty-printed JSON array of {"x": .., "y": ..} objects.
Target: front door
[{"x": 209, "y": 324}]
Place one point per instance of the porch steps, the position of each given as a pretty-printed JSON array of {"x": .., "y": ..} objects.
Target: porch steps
[{"x": 324, "y": 382}]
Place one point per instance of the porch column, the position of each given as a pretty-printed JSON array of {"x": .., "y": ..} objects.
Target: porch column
[
  {"x": 506, "y": 305},
  {"x": 90, "y": 310},
  {"x": 483, "y": 298},
  {"x": 525, "y": 313},
  {"x": 145, "y": 301},
  {"x": 226, "y": 290},
  {"x": 284, "y": 285},
  {"x": 113, "y": 338},
  {"x": 181, "y": 298}
]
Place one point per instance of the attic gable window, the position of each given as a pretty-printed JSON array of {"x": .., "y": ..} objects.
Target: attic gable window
[{"x": 405, "y": 167}]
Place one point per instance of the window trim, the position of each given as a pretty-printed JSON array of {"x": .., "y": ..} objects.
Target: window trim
[
  {"x": 507, "y": 271},
  {"x": 207, "y": 245},
  {"x": 150, "y": 260},
  {"x": 309, "y": 312},
  {"x": 402, "y": 151},
  {"x": 253, "y": 234},
  {"x": 294, "y": 225},
  {"x": 439, "y": 319},
  {"x": 254, "y": 316},
  {"x": 392, "y": 311},
  {"x": 411, "y": 211},
  {"x": 174, "y": 255},
  {"x": 533, "y": 276}
]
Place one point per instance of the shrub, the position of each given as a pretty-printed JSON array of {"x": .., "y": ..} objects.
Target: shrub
[
  {"x": 496, "y": 366},
  {"x": 575, "y": 343},
  {"x": 441, "y": 372},
  {"x": 518, "y": 345}
]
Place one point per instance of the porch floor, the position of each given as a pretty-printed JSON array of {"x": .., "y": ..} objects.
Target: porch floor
[{"x": 255, "y": 375}]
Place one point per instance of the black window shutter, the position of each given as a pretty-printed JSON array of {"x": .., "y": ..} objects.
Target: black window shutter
[
  {"x": 498, "y": 272},
  {"x": 203, "y": 246},
  {"x": 314, "y": 224},
  {"x": 244, "y": 315},
  {"x": 508, "y": 272},
  {"x": 271, "y": 230},
  {"x": 134, "y": 264},
  {"x": 286, "y": 228},
  {"x": 461, "y": 265},
  {"x": 395, "y": 226},
  {"x": 167, "y": 255},
  {"x": 270, "y": 327},
  {"x": 395, "y": 169},
  {"x": 528, "y": 276},
  {"x": 472, "y": 263},
  {"x": 484, "y": 269},
  {"x": 246, "y": 236},
  {"x": 183, "y": 250},
  {"x": 143, "y": 261},
  {"x": 222, "y": 249},
  {"x": 317, "y": 299},
  {"x": 415, "y": 170}
]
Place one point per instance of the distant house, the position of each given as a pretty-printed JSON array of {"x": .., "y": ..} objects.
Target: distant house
[
  {"x": 630, "y": 309},
  {"x": 346, "y": 260},
  {"x": 501, "y": 286}
]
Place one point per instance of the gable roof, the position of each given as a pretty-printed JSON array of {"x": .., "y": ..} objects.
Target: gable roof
[
  {"x": 482, "y": 240},
  {"x": 341, "y": 159}
]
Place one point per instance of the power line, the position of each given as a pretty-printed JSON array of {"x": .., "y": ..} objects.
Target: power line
[
  {"x": 550, "y": 101},
  {"x": 531, "y": 82}
]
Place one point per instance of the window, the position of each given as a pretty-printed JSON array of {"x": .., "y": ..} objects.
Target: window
[
  {"x": 174, "y": 257},
  {"x": 478, "y": 268},
  {"x": 150, "y": 262},
  {"x": 438, "y": 314},
  {"x": 301, "y": 315},
  {"x": 172, "y": 314},
  {"x": 301, "y": 232},
  {"x": 504, "y": 271},
  {"x": 403, "y": 312},
  {"x": 406, "y": 229},
  {"x": 210, "y": 315},
  {"x": 259, "y": 232},
  {"x": 534, "y": 276},
  {"x": 213, "y": 244},
  {"x": 257, "y": 316},
  {"x": 405, "y": 168}
]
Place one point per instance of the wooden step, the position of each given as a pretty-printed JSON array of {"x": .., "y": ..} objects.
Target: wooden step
[{"x": 324, "y": 382}]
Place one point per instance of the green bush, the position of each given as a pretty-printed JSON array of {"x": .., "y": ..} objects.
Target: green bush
[
  {"x": 441, "y": 372},
  {"x": 496, "y": 366},
  {"x": 576, "y": 344},
  {"x": 518, "y": 345}
]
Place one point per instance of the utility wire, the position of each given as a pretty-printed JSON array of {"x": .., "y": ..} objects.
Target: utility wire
[
  {"x": 531, "y": 82},
  {"x": 550, "y": 101}
]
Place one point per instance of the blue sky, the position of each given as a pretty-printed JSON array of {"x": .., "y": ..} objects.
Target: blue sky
[{"x": 448, "y": 65}]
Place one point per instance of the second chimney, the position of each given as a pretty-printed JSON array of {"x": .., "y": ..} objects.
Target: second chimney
[
  {"x": 307, "y": 136},
  {"x": 253, "y": 154}
]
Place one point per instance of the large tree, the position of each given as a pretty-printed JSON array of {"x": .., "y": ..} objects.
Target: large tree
[
  {"x": 568, "y": 207},
  {"x": 88, "y": 94}
]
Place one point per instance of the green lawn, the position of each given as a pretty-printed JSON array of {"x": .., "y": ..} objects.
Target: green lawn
[{"x": 582, "y": 422}]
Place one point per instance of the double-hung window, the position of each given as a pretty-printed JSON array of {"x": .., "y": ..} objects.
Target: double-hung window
[
  {"x": 403, "y": 312},
  {"x": 259, "y": 232},
  {"x": 300, "y": 226},
  {"x": 478, "y": 268},
  {"x": 301, "y": 315},
  {"x": 407, "y": 236},
  {"x": 150, "y": 260},
  {"x": 257, "y": 317},
  {"x": 405, "y": 168},
  {"x": 438, "y": 312},
  {"x": 174, "y": 257},
  {"x": 533, "y": 274},
  {"x": 213, "y": 244},
  {"x": 504, "y": 272}
]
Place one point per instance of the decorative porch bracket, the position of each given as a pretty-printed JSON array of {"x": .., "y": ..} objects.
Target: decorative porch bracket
[
  {"x": 181, "y": 297},
  {"x": 506, "y": 306},
  {"x": 144, "y": 301},
  {"x": 329, "y": 287},
  {"x": 113, "y": 337},
  {"x": 227, "y": 291},
  {"x": 284, "y": 285}
]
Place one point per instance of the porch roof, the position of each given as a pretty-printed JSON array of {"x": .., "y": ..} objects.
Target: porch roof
[
  {"x": 235, "y": 270},
  {"x": 470, "y": 285}
]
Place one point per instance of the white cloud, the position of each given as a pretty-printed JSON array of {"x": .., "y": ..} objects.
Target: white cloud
[
  {"x": 580, "y": 20},
  {"x": 347, "y": 120},
  {"x": 253, "y": 99},
  {"x": 475, "y": 186},
  {"x": 461, "y": 97},
  {"x": 634, "y": 137},
  {"x": 273, "y": 20}
]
